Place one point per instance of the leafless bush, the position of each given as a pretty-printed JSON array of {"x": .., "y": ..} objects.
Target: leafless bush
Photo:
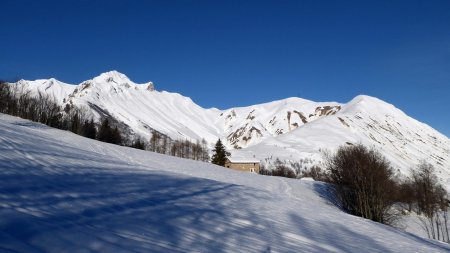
[
  {"x": 279, "y": 170},
  {"x": 364, "y": 182},
  {"x": 264, "y": 171},
  {"x": 432, "y": 201},
  {"x": 405, "y": 195},
  {"x": 316, "y": 173},
  {"x": 283, "y": 171}
]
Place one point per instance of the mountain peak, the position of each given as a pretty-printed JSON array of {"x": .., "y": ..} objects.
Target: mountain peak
[
  {"x": 111, "y": 76},
  {"x": 370, "y": 102},
  {"x": 115, "y": 76},
  {"x": 363, "y": 97}
]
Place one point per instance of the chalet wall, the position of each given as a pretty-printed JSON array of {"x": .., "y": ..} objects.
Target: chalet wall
[{"x": 247, "y": 167}]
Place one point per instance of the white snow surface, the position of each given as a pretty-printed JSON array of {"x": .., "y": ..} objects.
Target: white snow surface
[
  {"x": 60, "y": 192},
  {"x": 292, "y": 129}
]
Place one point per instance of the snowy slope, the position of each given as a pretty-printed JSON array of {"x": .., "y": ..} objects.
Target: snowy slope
[
  {"x": 52, "y": 87},
  {"x": 403, "y": 140},
  {"x": 142, "y": 108},
  {"x": 60, "y": 192},
  {"x": 292, "y": 129},
  {"x": 246, "y": 126}
]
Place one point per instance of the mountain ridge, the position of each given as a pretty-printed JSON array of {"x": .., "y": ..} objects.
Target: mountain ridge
[{"x": 292, "y": 129}]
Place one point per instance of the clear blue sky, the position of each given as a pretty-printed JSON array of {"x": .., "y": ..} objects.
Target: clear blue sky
[{"x": 234, "y": 53}]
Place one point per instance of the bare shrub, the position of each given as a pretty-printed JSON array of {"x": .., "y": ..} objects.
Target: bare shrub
[
  {"x": 316, "y": 173},
  {"x": 405, "y": 195},
  {"x": 432, "y": 201},
  {"x": 282, "y": 170},
  {"x": 264, "y": 171},
  {"x": 364, "y": 182}
]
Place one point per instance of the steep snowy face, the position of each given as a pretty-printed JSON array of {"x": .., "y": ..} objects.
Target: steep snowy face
[
  {"x": 143, "y": 109},
  {"x": 106, "y": 85},
  {"x": 53, "y": 88},
  {"x": 247, "y": 126},
  {"x": 292, "y": 129},
  {"x": 138, "y": 106},
  {"x": 403, "y": 140}
]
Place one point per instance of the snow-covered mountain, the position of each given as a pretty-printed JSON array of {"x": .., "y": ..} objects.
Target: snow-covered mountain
[
  {"x": 138, "y": 106},
  {"x": 60, "y": 192},
  {"x": 292, "y": 129}
]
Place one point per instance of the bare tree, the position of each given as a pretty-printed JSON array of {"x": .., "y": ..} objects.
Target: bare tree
[
  {"x": 432, "y": 202},
  {"x": 364, "y": 182},
  {"x": 154, "y": 141}
]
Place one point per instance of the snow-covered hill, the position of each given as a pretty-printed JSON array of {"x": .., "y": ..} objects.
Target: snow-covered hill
[
  {"x": 293, "y": 129},
  {"x": 60, "y": 192},
  {"x": 403, "y": 140}
]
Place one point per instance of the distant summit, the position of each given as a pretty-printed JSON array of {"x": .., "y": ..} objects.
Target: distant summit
[{"x": 112, "y": 76}]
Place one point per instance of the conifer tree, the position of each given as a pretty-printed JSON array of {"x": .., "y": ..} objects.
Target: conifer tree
[
  {"x": 105, "y": 132},
  {"x": 108, "y": 134},
  {"x": 75, "y": 123},
  {"x": 220, "y": 154},
  {"x": 116, "y": 136},
  {"x": 89, "y": 129}
]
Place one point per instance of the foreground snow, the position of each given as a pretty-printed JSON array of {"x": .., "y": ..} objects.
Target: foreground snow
[{"x": 62, "y": 193}]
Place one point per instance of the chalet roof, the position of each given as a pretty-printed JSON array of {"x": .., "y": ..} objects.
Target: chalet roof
[{"x": 242, "y": 160}]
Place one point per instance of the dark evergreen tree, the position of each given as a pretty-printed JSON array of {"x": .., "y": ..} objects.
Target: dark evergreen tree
[
  {"x": 75, "y": 124},
  {"x": 105, "y": 132},
  {"x": 108, "y": 134},
  {"x": 89, "y": 129},
  {"x": 219, "y": 154},
  {"x": 116, "y": 136}
]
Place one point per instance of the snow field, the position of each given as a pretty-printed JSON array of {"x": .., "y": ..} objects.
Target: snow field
[{"x": 60, "y": 192}]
